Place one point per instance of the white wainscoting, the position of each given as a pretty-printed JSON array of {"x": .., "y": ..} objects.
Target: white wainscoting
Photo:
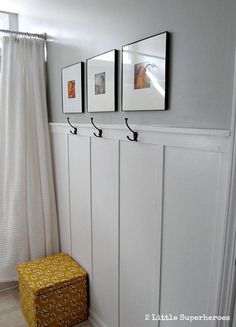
[
  {"x": 61, "y": 177},
  {"x": 80, "y": 201},
  {"x": 141, "y": 167},
  {"x": 146, "y": 220},
  {"x": 193, "y": 227},
  {"x": 105, "y": 226}
]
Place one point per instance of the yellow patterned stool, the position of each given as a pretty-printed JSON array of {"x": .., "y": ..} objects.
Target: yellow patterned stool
[{"x": 53, "y": 291}]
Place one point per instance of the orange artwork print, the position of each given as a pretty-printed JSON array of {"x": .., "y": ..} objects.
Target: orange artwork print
[
  {"x": 71, "y": 89},
  {"x": 141, "y": 80}
]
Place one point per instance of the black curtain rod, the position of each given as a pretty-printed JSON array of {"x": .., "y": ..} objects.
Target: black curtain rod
[{"x": 40, "y": 36}]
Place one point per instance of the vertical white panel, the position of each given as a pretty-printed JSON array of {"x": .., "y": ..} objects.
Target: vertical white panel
[
  {"x": 60, "y": 160},
  {"x": 104, "y": 301},
  {"x": 192, "y": 233},
  {"x": 140, "y": 231},
  {"x": 79, "y": 159}
]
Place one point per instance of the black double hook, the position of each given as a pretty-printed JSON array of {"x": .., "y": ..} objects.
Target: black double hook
[
  {"x": 75, "y": 128},
  {"x": 99, "y": 130},
  {"x": 135, "y": 138}
]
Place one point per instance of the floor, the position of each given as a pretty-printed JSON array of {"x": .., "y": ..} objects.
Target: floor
[
  {"x": 10, "y": 312},
  {"x": 7, "y": 285}
]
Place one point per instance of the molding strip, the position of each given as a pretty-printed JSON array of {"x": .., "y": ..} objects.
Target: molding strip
[
  {"x": 144, "y": 128},
  {"x": 204, "y": 139}
]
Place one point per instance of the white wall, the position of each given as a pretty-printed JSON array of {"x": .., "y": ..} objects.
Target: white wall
[{"x": 202, "y": 51}]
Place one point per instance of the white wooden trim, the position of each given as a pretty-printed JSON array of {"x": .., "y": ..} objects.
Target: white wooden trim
[
  {"x": 204, "y": 139},
  {"x": 221, "y": 212},
  {"x": 227, "y": 291},
  {"x": 145, "y": 128}
]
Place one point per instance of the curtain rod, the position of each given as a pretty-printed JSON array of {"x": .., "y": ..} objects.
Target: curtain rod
[{"x": 41, "y": 36}]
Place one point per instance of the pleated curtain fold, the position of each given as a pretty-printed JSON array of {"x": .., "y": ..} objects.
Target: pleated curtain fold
[{"x": 28, "y": 218}]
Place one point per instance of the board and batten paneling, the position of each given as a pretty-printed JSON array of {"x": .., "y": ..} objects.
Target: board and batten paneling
[
  {"x": 59, "y": 143},
  {"x": 80, "y": 202},
  {"x": 147, "y": 219},
  {"x": 105, "y": 211},
  {"x": 193, "y": 226},
  {"x": 141, "y": 168}
]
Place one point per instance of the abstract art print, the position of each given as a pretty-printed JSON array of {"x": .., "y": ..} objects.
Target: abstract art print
[
  {"x": 102, "y": 82},
  {"x": 144, "y": 74},
  {"x": 72, "y": 88}
]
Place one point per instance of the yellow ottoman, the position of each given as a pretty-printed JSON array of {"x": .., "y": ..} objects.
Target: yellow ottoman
[{"x": 53, "y": 291}]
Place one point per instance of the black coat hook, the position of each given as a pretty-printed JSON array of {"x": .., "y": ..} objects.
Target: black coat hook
[
  {"x": 75, "y": 129},
  {"x": 135, "y": 133},
  {"x": 99, "y": 130}
]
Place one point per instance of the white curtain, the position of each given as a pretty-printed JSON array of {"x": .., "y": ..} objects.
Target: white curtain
[{"x": 28, "y": 221}]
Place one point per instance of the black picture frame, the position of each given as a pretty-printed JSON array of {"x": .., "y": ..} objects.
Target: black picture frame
[
  {"x": 165, "y": 72},
  {"x": 75, "y": 72},
  {"x": 91, "y": 85}
]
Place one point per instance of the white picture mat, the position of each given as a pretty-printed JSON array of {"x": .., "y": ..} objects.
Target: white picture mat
[
  {"x": 72, "y": 73},
  {"x": 151, "y": 51},
  {"x": 104, "y": 63}
]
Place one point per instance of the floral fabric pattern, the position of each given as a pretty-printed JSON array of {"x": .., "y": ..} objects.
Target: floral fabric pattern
[{"x": 53, "y": 291}]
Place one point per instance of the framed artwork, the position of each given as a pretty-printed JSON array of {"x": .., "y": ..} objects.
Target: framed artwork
[
  {"x": 102, "y": 82},
  {"x": 72, "y": 88},
  {"x": 144, "y": 74}
]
